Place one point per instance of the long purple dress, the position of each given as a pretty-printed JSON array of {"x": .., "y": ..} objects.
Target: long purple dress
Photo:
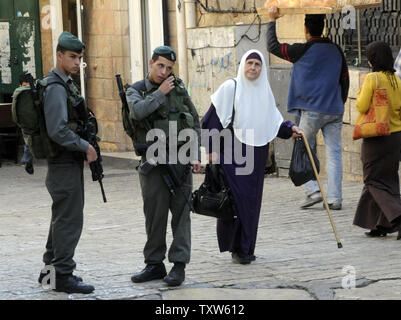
[{"x": 239, "y": 235}]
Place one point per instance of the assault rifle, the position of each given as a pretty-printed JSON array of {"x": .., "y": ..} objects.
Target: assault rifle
[
  {"x": 88, "y": 133},
  {"x": 96, "y": 166}
]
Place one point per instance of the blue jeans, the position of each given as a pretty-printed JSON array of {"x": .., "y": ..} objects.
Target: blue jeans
[
  {"x": 310, "y": 122},
  {"x": 27, "y": 156}
]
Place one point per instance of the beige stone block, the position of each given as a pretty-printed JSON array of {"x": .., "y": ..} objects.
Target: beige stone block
[
  {"x": 100, "y": 88},
  {"x": 122, "y": 65},
  {"x": 120, "y": 46},
  {"x": 91, "y": 46},
  {"x": 117, "y": 47},
  {"x": 276, "y": 61},
  {"x": 354, "y": 83},
  {"x": 198, "y": 38},
  {"x": 349, "y": 145},
  {"x": 106, "y": 110},
  {"x": 291, "y": 26},
  {"x": 356, "y": 164},
  {"x": 171, "y": 5},
  {"x": 347, "y": 112},
  {"x": 172, "y": 23},
  {"x": 225, "y": 35},
  {"x": 121, "y": 23},
  {"x": 346, "y": 156},
  {"x": 104, "y": 45},
  {"x": 108, "y": 147},
  {"x": 100, "y": 67},
  {"x": 354, "y": 111},
  {"x": 103, "y": 4},
  {"x": 102, "y": 23},
  {"x": 119, "y": 5},
  {"x": 120, "y": 133},
  {"x": 107, "y": 131},
  {"x": 362, "y": 77},
  {"x": 319, "y": 138},
  {"x": 352, "y": 177}
]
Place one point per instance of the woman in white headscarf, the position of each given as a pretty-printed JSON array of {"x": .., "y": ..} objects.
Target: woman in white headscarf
[{"x": 255, "y": 122}]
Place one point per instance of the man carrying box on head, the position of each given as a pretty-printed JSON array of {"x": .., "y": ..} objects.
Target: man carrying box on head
[{"x": 318, "y": 90}]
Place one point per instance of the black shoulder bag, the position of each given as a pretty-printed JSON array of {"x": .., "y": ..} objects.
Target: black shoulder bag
[{"x": 214, "y": 198}]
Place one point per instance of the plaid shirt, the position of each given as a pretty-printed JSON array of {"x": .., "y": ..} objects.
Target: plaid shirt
[{"x": 397, "y": 65}]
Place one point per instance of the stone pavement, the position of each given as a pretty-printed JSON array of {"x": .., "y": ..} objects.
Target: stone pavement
[{"x": 297, "y": 255}]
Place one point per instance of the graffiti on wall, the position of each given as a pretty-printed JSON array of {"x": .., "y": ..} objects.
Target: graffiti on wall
[
  {"x": 211, "y": 62},
  {"x": 221, "y": 63}
]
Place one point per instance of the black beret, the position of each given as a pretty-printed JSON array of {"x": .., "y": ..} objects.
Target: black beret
[
  {"x": 70, "y": 42},
  {"x": 166, "y": 52}
]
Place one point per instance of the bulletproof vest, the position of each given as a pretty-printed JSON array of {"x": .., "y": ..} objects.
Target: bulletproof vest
[
  {"x": 174, "y": 110},
  {"x": 76, "y": 109}
]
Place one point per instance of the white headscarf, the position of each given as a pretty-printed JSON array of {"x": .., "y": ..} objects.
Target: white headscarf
[{"x": 255, "y": 107}]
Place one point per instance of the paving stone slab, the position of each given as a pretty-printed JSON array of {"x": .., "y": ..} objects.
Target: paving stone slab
[
  {"x": 236, "y": 294},
  {"x": 381, "y": 290}
]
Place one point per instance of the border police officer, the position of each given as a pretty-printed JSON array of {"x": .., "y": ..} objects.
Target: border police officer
[
  {"x": 65, "y": 181},
  {"x": 156, "y": 102}
]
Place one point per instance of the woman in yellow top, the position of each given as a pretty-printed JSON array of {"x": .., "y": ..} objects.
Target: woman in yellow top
[{"x": 379, "y": 208}]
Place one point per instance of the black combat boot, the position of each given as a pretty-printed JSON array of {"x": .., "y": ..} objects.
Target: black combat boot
[
  {"x": 176, "y": 276},
  {"x": 70, "y": 284},
  {"x": 151, "y": 272}
]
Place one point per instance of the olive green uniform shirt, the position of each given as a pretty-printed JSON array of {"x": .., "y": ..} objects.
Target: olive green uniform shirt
[
  {"x": 56, "y": 115},
  {"x": 141, "y": 108}
]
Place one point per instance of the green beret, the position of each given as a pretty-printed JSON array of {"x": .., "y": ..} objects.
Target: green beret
[
  {"x": 166, "y": 52},
  {"x": 70, "y": 42}
]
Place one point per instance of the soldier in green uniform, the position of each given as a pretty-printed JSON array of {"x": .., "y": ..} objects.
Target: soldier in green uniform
[
  {"x": 154, "y": 103},
  {"x": 65, "y": 181}
]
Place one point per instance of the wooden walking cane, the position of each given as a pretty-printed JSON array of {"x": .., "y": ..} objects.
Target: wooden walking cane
[{"x": 321, "y": 190}]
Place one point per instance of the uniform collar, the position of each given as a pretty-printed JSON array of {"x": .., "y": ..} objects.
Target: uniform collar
[
  {"x": 149, "y": 84},
  {"x": 62, "y": 75}
]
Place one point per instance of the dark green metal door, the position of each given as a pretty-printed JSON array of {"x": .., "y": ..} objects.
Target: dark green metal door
[{"x": 20, "y": 44}]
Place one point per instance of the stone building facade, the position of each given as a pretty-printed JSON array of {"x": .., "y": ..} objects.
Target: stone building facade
[{"x": 121, "y": 34}]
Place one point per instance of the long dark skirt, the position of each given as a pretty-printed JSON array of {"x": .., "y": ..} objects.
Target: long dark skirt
[
  {"x": 239, "y": 235},
  {"x": 379, "y": 207}
]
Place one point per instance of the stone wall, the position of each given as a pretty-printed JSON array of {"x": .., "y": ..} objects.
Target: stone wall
[{"x": 106, "y": 33}]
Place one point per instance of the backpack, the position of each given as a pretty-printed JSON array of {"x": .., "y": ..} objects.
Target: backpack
[
  {"x": 130, "y": 125},
  {"x": 28, "y": 113}
]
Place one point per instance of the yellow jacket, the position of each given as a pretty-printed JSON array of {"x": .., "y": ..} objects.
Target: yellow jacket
[{"x": 365, "y": 94}]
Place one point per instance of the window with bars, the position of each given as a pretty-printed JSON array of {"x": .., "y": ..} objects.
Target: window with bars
[{"x": 373, "y": 24}]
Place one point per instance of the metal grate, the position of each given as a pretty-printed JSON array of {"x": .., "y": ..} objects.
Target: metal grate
[{"x": 374, "y": 24}]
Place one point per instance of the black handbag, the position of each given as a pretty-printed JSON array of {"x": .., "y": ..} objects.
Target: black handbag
[{"x": 214, "y": 198}]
